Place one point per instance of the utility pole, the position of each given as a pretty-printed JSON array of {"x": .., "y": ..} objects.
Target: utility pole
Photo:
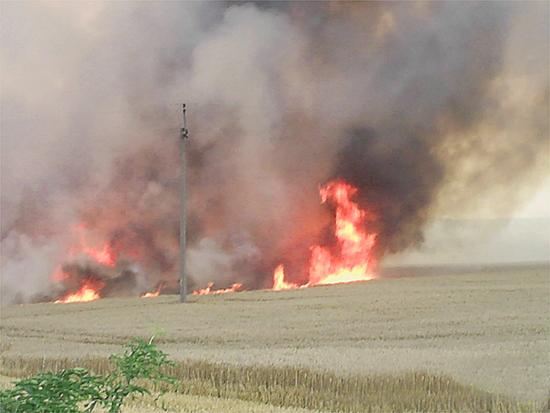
[{"x": 184, "y": 136}]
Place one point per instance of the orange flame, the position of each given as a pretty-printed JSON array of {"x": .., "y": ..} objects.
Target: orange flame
[
  {"x": 152, "y": 294},
  {"x": 87, "y": 292},
  {"x": 208, "y": 290},
  {"x": 104, "y": 256},
  {"x": 354, "y": 259},
  {"x": 279, "y": 282},
  {"x": 89, "y": 289}
]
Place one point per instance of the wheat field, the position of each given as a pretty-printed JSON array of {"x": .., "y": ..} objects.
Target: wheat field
[{"x": 483, "y": 336}]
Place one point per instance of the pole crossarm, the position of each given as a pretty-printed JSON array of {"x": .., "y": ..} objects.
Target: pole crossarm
[{"x": 184, "y": 130}]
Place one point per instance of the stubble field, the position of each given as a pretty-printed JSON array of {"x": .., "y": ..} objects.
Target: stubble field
[{"x": 482, "y": 336}]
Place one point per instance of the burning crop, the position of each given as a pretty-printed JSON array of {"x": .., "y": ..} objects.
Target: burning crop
[
  {"x": 88, "y": 291},
  {"x": 151, "y": 294},
  {"x": 352, "y": 260},
  {"x": 209, "y": 289},
  {"x": 279, "y": 282},
  {"x": 94, "y": 269},
  {"x": 104, "y": 254},
  {"x": 154, "y": 293}
]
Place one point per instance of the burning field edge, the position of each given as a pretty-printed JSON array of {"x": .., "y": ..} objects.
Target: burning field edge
[
  {"x": 298, "y": 387},
  {"x": 93, "y": 272}
]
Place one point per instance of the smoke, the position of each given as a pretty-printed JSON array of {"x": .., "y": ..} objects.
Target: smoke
[{"x": 429, "y": 108}]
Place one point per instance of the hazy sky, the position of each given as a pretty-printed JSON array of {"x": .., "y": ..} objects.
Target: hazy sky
[{"x": 539, "y": 205}]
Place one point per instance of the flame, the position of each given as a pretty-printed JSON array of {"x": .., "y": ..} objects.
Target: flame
[
  {"x": 104, "y": 256},
  {"x": 151, "y": 294},
  {"x": 208, "y": 290},
  {"x": 88, "y": 291},
  {"x": 354, "y": 242},
  {"x": 354, "y": 259},
  {"x": 279, "y": 282},
  {"x": 350, "y": 260}
]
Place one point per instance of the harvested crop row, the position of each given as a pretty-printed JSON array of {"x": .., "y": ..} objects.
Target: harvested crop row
[{"x": 308, "y": 389}]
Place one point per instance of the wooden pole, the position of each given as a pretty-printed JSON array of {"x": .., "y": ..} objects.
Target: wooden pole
[{"x": 183, "y": 207}]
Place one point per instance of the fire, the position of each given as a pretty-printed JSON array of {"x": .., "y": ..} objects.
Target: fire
[
  {"x": 88, "y": 291},
  {"x": 208, "y": 290},
  {"x": 279, "y": 282},
  {"x": 354, "y": 242},
  {"x": 104, "y": 256},
  {"x": 152, "y": 294},
  {"x": 353, "y": 260},
  {"x": 349, "y": 260}
]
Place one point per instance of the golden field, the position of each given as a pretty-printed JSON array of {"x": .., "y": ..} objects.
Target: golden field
[{"x": 426, "y": 343}]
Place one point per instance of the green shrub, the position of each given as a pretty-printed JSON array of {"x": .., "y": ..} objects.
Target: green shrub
[{"x": 76, "y": 390}]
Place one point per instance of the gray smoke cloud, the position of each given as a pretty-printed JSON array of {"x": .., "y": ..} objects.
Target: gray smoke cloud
[{"x": 428, "y": 108}]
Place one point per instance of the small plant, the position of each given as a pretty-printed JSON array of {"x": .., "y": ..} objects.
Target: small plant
[{"x": 77, "y": 390}]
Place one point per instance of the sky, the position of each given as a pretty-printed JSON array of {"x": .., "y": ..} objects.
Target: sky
[{"x": 539, "y": 205}]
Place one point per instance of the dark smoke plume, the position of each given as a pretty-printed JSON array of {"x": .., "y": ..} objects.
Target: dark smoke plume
[{"x": 429, "y": 108}]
